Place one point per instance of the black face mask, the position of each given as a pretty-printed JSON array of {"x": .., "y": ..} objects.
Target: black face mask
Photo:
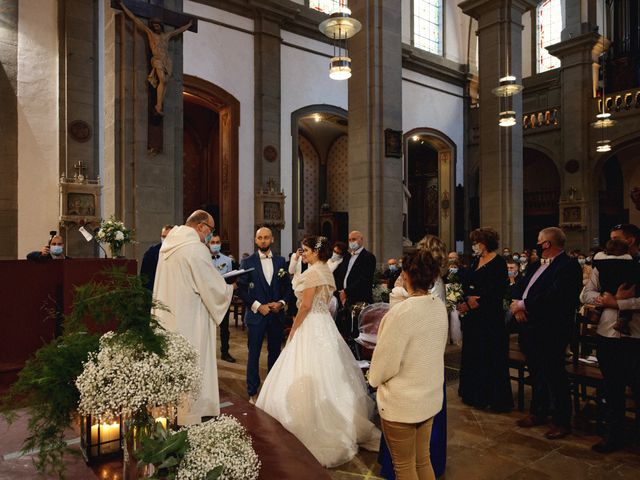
[{"x": 541, "y": 246}]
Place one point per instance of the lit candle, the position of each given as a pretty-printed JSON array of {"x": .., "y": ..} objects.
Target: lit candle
[{"x": 162, "y": 421}]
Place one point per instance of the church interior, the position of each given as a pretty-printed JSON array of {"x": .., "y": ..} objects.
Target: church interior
[{"x": 430, "y": 117}]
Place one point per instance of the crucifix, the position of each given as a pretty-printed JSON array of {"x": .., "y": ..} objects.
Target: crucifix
[{"x": 161, "y": 62}]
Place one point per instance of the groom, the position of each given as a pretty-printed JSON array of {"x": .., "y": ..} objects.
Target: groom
[{"x": 265, "y": 292}]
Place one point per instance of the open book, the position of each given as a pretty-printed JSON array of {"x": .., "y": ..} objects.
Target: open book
[{"x": 231, "y": 276}]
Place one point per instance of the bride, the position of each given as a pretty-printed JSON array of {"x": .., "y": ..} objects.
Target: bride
[{"x": 316, "y": 389}]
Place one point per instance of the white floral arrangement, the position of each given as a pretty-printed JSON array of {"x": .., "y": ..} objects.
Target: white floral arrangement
[
  {"x": 220, "y": 441},
  {"x": 282, "y": 273},
  {"x": 380, "y": 293},
  {"x": 120, "y": 379},
  {"x": 454, "y": 295},
  {"x": 114, "y": 233}
]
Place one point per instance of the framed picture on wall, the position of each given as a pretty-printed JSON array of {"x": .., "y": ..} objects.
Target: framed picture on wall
[
  {"x": 79, "y": 202},
  {"x": 393, "y": 143}
]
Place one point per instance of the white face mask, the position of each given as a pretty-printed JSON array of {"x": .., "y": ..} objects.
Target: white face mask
[
  {"x": 335, "y": 257},
  {"x": 56, "y": 250},
  {"x": 354, "y": 246}
]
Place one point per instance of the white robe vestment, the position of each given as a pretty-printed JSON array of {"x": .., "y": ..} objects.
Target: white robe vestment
[{"x": 188, "y": 283}]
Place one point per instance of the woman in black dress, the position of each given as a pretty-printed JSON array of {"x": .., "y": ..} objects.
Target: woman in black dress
[{"x": 484, "y": 370}]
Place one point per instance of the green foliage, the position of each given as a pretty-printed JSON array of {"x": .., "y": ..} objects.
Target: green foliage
[
  {"x": 165, "y": 450},
  {"x": 46, "y": 385}
]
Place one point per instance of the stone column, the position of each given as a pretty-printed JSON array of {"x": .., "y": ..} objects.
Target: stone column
[
  {"x": 375, "y": 104},
  {"x": 9, "y": 137},
  {"x": 579, "y": 57},
  {"x": 501, "y": 186},
  {"x": 267, "y": 103}
]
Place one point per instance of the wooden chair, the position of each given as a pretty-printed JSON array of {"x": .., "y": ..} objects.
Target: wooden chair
[
  {"x": 518, "y": 362},
  {"x": 237, "y": 310}
]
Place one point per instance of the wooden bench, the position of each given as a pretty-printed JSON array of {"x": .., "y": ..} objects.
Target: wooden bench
[{"x": 518, "y": 362}]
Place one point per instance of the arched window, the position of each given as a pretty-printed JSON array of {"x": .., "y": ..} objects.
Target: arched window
[
  {"x": 427, "y": 25},
  {"x": 325, "y": 6},
  {"x": 549, "y": 26}
]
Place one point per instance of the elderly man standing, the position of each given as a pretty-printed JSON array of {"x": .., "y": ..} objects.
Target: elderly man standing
[
  {"x": 189, "y": 284},
  {"x": 544, "y": 305},
  {"x": 358, "y": 272}
]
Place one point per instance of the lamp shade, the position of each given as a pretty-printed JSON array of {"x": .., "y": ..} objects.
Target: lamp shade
[
  {"x": 507, "y": 118},
  {"x": 340, "y": 25},
  {"x": 508, "y": 87},
  {"x": 340, "y": 68},
  {"x": 603, "y": 146}
]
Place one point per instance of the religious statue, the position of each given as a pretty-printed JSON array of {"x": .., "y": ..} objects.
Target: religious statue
[{"x": 161, "y": 64}]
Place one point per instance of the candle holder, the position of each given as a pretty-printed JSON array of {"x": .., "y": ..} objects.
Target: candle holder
[{"x": 100, "y": 440}]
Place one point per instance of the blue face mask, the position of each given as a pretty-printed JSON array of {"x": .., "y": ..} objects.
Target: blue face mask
[
  {"x": 516, "y": 257},
  {"x": 523, "y": 259},
  {"x": 215, "y": 248},
  {"x": 512, "y": 273},
  {"x": 453, "y": 270},
  {"x": 393, "y": 268},
  {"x": 56, "y": 250},
  {"x": 354, "y": 246},
  {"x": 208, "y": 238}
]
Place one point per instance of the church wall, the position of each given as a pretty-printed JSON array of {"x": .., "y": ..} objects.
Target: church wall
[
  {"x": 338, "y": 175},
  {"x": 311, "y": 181},
  {"x": 225, "y": 57},
  {"x": 300, "y": 87},
  {"x": 38, "y": 123},
  {"x": 528, "y": 45},
  {"x": 431, "y": 103}
]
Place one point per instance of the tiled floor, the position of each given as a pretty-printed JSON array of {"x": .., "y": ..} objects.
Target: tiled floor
[{"x": 481, "y": 445}]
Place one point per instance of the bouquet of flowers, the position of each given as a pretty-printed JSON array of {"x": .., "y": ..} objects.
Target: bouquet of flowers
[
  {"x": 219, "y": 442},
  {"x": 115, "y": 234},
  {"x": 454, "y": 295},
  {"x": 122, "y": 379}
]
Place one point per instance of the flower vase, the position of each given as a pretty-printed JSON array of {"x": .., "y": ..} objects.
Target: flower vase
[
  {"x": 116, "y": 251},
  {"x": 130, "y": 469}
]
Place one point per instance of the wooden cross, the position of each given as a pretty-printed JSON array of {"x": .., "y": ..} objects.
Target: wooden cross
[{"x": 156, "y": 10}]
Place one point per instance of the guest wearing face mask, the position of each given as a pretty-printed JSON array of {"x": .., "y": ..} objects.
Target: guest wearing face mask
[
  {"x": 357, "y": 284},
  {"x": 150, "y": 259},
  {"x": 586, "y": 269},
  {"x": 224, "y": 265},
  {"x": 54, "y": 250},
  {"x": 524, "y": 262},
  {"x": 392, "y": 273},
  {"x": 340, "y": 253},
  {"x": 484, "y": 370}
]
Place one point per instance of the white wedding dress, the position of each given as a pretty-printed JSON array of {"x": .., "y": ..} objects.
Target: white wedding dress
[{"x": 316, "y": 389}]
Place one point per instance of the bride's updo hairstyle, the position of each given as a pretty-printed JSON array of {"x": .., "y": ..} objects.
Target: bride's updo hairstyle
[
  {"x": 422, "y": 268},
  {"x": 320, "y": 245}
]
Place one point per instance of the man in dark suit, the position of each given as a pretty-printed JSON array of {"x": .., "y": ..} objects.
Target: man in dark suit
[
  {"x": 357, "y": 284},
  {"x": 150, "y": 259},
  {"x": 265, "y": 292},
  {"x": 544, "y": 304}
]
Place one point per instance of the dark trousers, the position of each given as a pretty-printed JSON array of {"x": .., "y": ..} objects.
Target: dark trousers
[
  {"x": 272, "y": 327},
  {"x": 619, "y": 360},
  {"x": 224, "y": 334},
  {"x": 545, "y": 355}
]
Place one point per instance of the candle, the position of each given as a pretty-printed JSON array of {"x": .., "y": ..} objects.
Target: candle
[
  {"x": 109, "y": 438},
  {"x": 162, "y": 421}
]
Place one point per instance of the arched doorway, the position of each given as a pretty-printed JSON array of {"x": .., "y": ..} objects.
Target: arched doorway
[
  {"x": 320, "y": 176},
  {"x": 429, "y": 170},
  {"x": 541, "y": 194},
  {"x": 210, "y": 159},
  {"x": 619, "y": 174}
]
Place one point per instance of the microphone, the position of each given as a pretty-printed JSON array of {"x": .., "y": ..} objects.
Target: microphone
[
  {"x": 88, "y": 237},
  {"x": 52, "y": 234}
]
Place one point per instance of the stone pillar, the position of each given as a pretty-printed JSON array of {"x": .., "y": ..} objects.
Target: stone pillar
[
  {"x": 501, "y": 187},
  {"x": 375, "y": 104},
  {"x": 267, "y": 103},
  {"x": 9, "y": 137},
  {"x": 579, "y": 57},
  {"x": 141, "y": 187}
]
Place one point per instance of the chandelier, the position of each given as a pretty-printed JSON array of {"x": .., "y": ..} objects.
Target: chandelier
[
  {"x": 339, "y": 27},
  {"x": 603, "y": 117}
]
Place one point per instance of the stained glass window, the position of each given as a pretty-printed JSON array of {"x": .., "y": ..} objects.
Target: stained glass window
[
  {"x": 427, "y": 25},
  {"x": 326, "y": 6},
  {"x": 549, "y": 25}
]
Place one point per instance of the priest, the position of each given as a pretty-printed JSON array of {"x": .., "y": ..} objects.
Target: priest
[{"x": 197, "y": 296}]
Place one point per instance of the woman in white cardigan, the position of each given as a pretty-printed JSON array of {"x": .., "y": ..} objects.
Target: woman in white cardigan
[{"x": 408, "y": 368}]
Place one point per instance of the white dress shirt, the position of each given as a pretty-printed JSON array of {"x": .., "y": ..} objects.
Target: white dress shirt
[{"x": 352, "y": 260}]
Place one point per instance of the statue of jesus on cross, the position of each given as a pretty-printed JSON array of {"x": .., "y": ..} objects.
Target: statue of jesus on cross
[{"x": 161, "y": 64}]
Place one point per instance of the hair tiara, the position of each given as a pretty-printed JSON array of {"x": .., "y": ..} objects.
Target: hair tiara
[{"x": 319, "y": 243}]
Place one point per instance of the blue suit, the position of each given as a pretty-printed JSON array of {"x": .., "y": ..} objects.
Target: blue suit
[{"x": 253, "y": 287}]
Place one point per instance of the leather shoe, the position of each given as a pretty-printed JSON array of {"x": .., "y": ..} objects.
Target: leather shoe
[
  {"x": 228, "y": 358},
  {"x": 556, "y": 433},
  {"x": 531, "y": 421},
  {"x": 607, "y": 445}
]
